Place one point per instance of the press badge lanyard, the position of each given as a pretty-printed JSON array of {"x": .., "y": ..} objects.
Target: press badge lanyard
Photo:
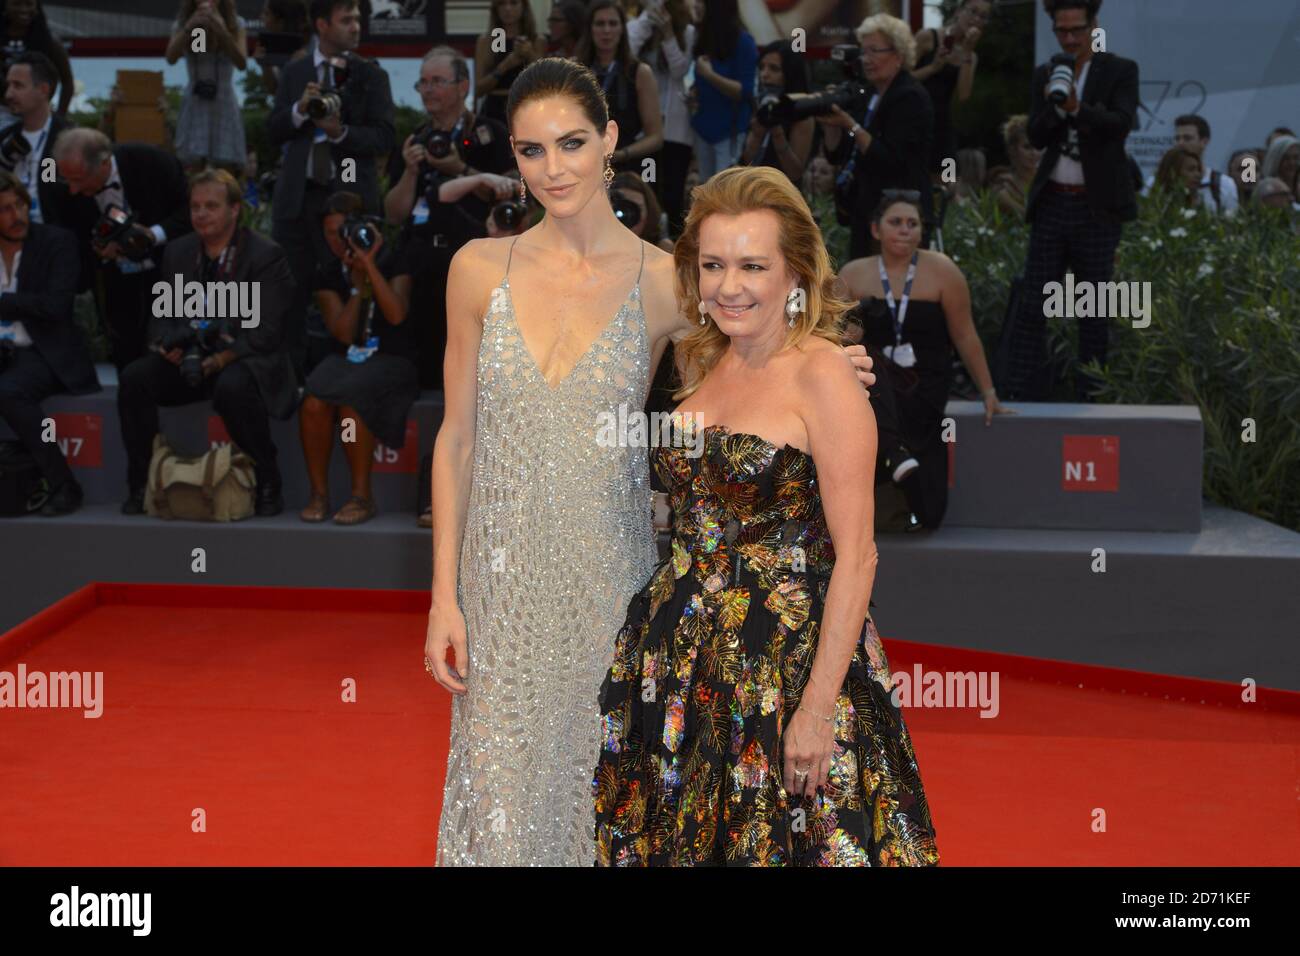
[
  {"x": 33, "y": 163},
  {"x": 898, "y": 312}
]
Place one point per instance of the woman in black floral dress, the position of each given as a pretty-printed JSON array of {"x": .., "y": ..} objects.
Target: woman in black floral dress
[{"x": 747, "y": 718}]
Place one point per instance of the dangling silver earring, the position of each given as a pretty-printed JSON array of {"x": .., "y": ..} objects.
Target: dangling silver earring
[
  {"x": 704, "y": 312},
  {"x": 792, "y": 305},
  {"x": 523, "y": 190}
]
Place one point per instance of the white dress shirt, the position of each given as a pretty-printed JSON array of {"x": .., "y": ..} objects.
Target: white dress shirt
[
  {"x": 1069, "y": 171},
  {"x": 14, "y": 330}
]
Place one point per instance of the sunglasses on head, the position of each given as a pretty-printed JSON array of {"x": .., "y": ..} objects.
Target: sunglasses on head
[{"x": 905, "y": 195}]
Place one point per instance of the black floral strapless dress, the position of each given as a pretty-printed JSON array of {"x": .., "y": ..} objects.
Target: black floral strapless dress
[{"x": 709, "y": 668}]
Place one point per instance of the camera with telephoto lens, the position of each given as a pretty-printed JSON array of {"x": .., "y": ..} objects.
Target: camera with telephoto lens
[
  {"x": 852, "y": 95},
  {"x": 509, "y": 213},
  {"x": 327, "y": 102},
  {"x": 197, "y": 341},
  {"x": 361, "y": 231},
  {"x": 117, "y": 225},
  {"x": 628, "y": 212},
  {"x": 1060, "y": 81},
  {"x": 14, "y": 147}
]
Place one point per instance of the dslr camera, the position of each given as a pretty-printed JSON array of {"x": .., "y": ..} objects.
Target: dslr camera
[
  {"x": 327, "y": 103},
  {"x": 628, "y": 212},
  {"x": 361, "y": 231},
  {"x": 14, "y": 148},
  {"x": 851, "y": 95},
  {"x": 1060, "y": 81},
  {"x": 436, "y": 142},
  {"x": 509, "y": 213},
  {"x": 197, "y": 340},
  {"x": 117, "y": 225}
]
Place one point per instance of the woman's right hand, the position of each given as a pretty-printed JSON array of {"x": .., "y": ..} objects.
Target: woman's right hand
[{"x": 447, "y": 629}]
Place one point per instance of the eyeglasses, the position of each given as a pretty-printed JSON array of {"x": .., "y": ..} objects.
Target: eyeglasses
[
  {"x": 876, "y": 50},
  {"x": 437, "y": 83},
  {"x": 1070, "y": 31}
]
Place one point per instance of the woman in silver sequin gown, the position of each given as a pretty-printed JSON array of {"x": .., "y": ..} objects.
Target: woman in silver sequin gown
[{"x": 557, "y": 533}]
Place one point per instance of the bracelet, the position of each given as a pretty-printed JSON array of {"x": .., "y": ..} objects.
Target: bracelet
[
  {"x": 817, "y": 715},
  {"x": 988, "y": 391}
]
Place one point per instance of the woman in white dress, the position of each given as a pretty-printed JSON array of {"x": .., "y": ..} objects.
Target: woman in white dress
[{"x": 541, "y": 532}]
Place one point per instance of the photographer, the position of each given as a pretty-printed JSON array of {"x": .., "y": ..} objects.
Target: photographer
[
  {"x": 25, "y": 30},
  {"x": 41, "y": 350},
  {"x": 364, "y": 298},
  {"x": 454, "y": 146},
  {"x": 29, "y": 86},
  {"x": 787, "y": 143},
  {"x": 210, "y": 126},
  {"x": 1083, "y": 106},
  {"x": 124, "y": 204},
  {"x": 333, "y": 110},
  {"x": 890, "y": 146},
  {"x": 245, "y": 371}
]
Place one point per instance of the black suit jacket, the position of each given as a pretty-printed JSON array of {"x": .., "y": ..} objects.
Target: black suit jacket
[
  {"x": 53, "y": 196},
  {"x": 1107, "y": 112},
  {"x": 47, "y": 282},
  {"x": 258, "y": 260},
  {"x": 367, "y": 111},
  {"x": 155, "y": 188},
  {"x": 901, "y": 130}
]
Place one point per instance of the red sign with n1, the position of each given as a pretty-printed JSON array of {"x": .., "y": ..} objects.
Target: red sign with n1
[
  {"x": 79, "y": 436},
  {"x": 1090, "y": 463}
]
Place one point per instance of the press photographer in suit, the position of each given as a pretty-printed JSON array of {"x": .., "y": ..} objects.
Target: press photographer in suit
[
  {"x": 244, "y": 370},
  {"x": 455, "y": 144},
  {"x": 41, "y": 351},
  {"x": 29, "y": 86},
  {"x": 1084, "y": 104},
  {"x": 332, "y": 109},
  {"x": 124, "y": 204}
]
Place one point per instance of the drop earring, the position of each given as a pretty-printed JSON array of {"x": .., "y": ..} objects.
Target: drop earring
[
  {"x": 523, "y": 190},
  {"x": 609, "y": 170},
  {"x": 704, "y": 311},
  {"x": 792, "y": 305}
]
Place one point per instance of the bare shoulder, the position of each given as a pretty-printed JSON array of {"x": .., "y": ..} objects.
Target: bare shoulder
[
  {"x": 821, "y": 362},
  {"x": 855, "y": 271},
  {"x": 943, "y": 267}
]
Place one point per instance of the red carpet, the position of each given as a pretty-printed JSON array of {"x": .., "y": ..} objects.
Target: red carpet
[{"x": 230, "y": 700}]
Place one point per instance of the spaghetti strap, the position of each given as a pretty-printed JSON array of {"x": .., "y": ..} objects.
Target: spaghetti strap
[
  {"x": 510, "y": 255},
  {"x": 642, "y": 267}
]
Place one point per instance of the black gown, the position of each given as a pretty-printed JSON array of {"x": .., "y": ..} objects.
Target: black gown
[{"x": 709, "y": 668}]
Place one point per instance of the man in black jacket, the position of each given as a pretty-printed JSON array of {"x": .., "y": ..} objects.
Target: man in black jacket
[
  {"x": 325, "y": 150},
  {"x": 141, "y": 180},
  {"x": 29, "y": 86},
  {"x": 240, "y": 362},
  {"x": 1081, "y": 195},
  {"x": 41, "y": 350}
]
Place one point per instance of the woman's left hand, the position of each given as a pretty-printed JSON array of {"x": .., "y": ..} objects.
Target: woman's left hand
[
  {"x": 993, "y": 407},
  {"x": 807, "y": 744}
]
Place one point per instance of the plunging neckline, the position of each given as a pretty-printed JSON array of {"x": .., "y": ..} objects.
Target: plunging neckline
[{"x": 523, "y": 341}]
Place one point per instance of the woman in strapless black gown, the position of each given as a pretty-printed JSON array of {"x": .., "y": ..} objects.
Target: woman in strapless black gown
[
  {"x": 915, "y": 327},
  {"x": 747, "y": 717}
]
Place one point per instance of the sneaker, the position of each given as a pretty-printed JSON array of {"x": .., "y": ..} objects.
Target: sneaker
[{"x": 65, "y": 499}]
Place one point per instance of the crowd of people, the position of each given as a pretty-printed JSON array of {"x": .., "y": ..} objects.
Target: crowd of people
[{"x": 356, "y": 327}]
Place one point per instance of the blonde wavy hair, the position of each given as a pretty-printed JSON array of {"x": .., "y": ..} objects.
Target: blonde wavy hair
[
  {"x": 731, "y": 192},
  {"x": 899, "y": 33}
]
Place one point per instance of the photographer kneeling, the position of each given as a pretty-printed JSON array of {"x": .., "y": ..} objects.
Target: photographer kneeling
[
  {"x": 243, "y": 369},
  {"x": 454, "y": 146},
  {"x": 364, "y": 303}
]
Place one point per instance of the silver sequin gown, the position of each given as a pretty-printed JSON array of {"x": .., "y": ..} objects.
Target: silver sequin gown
[{"x": 558, "y": 538}]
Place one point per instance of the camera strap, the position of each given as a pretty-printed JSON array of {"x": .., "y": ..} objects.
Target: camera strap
[{"x": 846, "y": 173}]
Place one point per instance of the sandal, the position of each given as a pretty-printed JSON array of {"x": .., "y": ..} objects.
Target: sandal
[
  {"x": 355, "y": 510},
  {"x": 426, "y": 518},
  {"x": 317, "y": 509}
]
